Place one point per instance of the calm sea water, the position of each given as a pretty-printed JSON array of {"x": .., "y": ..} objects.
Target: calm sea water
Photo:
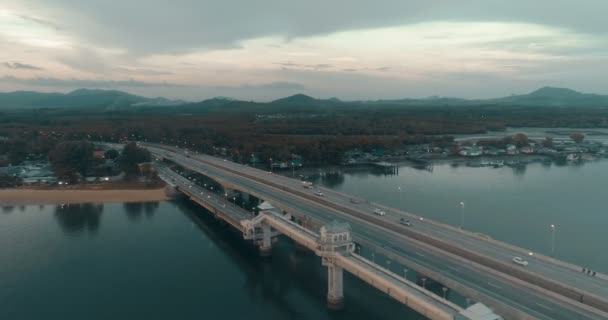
[
  {"x": 515, "y": 205},
  {"x": 159, "y": 261},
  {"x": 169, "y": 260}
]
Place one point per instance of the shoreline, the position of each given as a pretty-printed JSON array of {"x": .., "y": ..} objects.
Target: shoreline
[{"x": 10, "y": 197}]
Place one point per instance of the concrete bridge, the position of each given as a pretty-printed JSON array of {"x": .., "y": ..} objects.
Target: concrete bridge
[
  {"x": 334, "y": 244},
  {"x": 475, "y": 266}
]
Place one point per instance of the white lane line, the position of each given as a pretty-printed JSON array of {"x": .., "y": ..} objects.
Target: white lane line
[
  {"x": 543, "y": 306},
  {"x": 453, "y": 269},
  {"x": 494, "y": 285},
  {"x": 418, "y": 253}
]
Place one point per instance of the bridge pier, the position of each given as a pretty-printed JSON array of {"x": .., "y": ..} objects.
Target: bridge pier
[
  {"x": 334, "y": 240},
  {"x": 266, "y": 245},
  {"x": 172, "y": 191},
  {"x": 335, "y": 288}
]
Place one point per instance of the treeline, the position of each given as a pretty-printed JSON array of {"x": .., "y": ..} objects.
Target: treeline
[{"x": 319, "y": 136}]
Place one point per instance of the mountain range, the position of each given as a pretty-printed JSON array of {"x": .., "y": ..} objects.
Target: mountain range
[
  {"x": 107, "y": 100},
  {"x": 81, "y": 99}
]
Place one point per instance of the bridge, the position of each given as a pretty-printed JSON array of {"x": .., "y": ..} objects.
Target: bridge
[{"x": 477, "y": 267}]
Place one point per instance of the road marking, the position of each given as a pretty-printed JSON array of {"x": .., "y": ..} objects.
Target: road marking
[
  {"x": 418, "y": 253},
  {"x": 493, "y": 285},
  {"x": 454, "y": 269},
  {"x": 543, "y": 306}
]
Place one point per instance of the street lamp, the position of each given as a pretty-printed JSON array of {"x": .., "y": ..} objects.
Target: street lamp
[
  {"x": 400, "y": 196},
  {"x": 461, "y": 215},
  {"x": 553, "y": 227}
]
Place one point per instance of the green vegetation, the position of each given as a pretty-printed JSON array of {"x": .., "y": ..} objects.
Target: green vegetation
[
  {"x": 72, "y": 159},
  {"x": 131, "y": 157},
  {"x": 318, "y": 130},
  {"x": 577, "y": 137}
]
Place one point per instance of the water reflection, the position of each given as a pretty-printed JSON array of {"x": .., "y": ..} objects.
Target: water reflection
[
  {"x": 272, "y": 281},
  {"x": 7, "y": 209},
  {"x": 79, "y": 218},
  {"x": 136, "y": 210},
  {"x": 150, "y": 208},
  {"x": 520, "y": 170}
]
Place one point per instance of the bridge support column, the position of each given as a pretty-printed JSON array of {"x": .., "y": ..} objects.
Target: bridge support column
[
  {"x": 335, "y": 289},
  {"x": 266, "y": 246}
]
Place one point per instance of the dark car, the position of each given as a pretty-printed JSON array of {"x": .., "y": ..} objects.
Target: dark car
[{"x": 405, "y": 222}]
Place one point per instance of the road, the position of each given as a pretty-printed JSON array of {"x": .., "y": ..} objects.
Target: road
[{"x": 507, "y": 290}]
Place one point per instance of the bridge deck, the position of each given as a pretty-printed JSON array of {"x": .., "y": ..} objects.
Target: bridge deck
[{"x": 242, "y": 177}]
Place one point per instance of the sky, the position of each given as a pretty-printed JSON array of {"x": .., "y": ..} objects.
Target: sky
[{"x": 266, "y": 49}]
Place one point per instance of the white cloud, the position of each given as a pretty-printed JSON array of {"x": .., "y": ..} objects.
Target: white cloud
[{"x": 373, "y": 48}]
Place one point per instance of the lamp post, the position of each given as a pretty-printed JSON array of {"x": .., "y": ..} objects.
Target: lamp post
[
  {"x": 461, "y": 214},
  {"x": 553, "y": 227},
  {"x": 400, "y": 196},
  {"x": 270, "y": 165}
]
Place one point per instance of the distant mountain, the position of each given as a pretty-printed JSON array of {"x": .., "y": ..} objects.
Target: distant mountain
[
  {"x": 304, "y": 100},
  {"x": 543, "y": 97},
  {"x": 555, "y": 97},
  {"x": 103, "y": 100},
  {"x": 299, "y": 98}
]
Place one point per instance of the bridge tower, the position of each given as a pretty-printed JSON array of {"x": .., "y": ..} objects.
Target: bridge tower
[
  {"x": 260, "y": 232},
  {"x": 334, "y": 239}
]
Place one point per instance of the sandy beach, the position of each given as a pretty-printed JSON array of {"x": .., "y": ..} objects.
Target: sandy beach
[{"x": 31, "y": 196}]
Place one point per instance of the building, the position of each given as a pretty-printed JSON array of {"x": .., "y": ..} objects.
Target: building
[
  {"x": 512, "y": 149},
  {"x": 99, "y": 154},
  {"x": 526, "y": 149},
  {"x": 471, "y": 151}
]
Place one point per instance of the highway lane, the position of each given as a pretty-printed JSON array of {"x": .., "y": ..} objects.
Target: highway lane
[
  {"x": 499, "y": 251},
  {"x": 323, "y": 214}
]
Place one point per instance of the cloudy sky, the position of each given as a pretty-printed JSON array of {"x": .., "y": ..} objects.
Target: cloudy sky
[{"x": 265, "y": 49}]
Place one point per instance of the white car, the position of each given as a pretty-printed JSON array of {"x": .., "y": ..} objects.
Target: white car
[
  {"x": 520, "y": 261},
  {"x": 319, "y": 193},
  {"x": 379, "y": 212}
]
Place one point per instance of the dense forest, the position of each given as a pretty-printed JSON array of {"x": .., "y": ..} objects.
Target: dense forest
[{"x": 320, "y": 135}]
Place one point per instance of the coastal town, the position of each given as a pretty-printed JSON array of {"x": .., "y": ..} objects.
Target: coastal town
[
  {"x": 105, "y": 165},
  {"x": 514, "y": 150}
]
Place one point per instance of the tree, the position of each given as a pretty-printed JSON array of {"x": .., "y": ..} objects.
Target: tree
[
  {"x": 131, "y": 156},
  {"x": 111, "y": 154},
  {"x": 72, "y": 158},
  {"x": 520, "y": 140},
  {"x": 548, "y": 142},
  {"x": 577, "y": 137},
  {"x": 7, "y": 181}
]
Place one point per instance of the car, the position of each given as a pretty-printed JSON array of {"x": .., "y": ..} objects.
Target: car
[
  {"x": 319, "y": 193},
  {"x": 379, "y": 212},
  {"x": 405, "y": 222},
  {"x": 520, "y": 261},
  {"x": 355, "y": 201},
  {"x": 307, "y": 186}
]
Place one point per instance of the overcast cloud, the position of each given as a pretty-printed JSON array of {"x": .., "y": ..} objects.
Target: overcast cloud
[{"x": 269, "y": 48}]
